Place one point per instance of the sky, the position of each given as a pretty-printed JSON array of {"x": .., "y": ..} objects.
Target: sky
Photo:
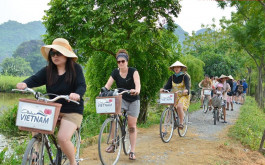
[{"x": 193, "y": 12}]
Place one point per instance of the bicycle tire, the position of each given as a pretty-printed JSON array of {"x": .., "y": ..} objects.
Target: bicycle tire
[
  {"x": 182, "y": 132},
  {"x": 106, "y": 139},
  {"x": 34, "y": 144},
  {"x": 215, "y": 116},
  {"x": 205, "y": 105},
  {"x": 61, "y": 158},
  {"x": 167, "y": 125},
  {"x": 218, "y": 115},
  {"x": 126, "y": 139}
]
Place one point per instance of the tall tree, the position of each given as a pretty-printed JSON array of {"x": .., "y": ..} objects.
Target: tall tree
[{"x": 100, "y": 28}]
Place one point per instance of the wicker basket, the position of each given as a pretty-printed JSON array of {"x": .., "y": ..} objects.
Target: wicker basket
[{"x": 217, "y": 101}]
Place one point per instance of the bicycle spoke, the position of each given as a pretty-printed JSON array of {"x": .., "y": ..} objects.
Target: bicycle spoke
[{"x": 166, "y": 125}]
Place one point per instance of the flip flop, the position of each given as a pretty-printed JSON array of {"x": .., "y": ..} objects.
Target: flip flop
[{"x": 132, "y": 156}]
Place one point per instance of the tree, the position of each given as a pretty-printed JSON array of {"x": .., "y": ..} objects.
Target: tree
[
  {"x": 100, "y": 28},
  {"x": 16, "y": 67},
  {"x": 30, "y": 51},
  {"x": 247, "y": 28}
]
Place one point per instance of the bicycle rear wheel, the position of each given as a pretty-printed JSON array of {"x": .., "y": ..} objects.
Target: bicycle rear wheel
[
  {"x": 109, "y": 142},
  {"x": 34, "y": 152},
  {"x": 182, "y": 131},
  {"x": 215, "y": 113},
  {"x": 61, "y": 158},
  {"x": 126, "y": 140},
  {"x": 167, "y": 125}
]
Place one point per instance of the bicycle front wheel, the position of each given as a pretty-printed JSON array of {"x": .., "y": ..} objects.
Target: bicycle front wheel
[
  {"x": 167, "y": 125},
  {"x": 126, "y": 140},
  {"x": 205, "y": 105},
  {"x": 215, "y": 115},
  {"x": 61, "y": 158},
  {"x": 182, "y": 131},
  {"x": 109, "y": 142},
  {"x": 34, "y": 152}
]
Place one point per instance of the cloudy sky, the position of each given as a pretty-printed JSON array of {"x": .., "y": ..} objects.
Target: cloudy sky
[{"x": 193, "y": 12}]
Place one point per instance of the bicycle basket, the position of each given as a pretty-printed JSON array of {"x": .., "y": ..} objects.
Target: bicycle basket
[
  {"x": 37, "y": 116},
  {"x": 109, "y": 105},
  {"x": 168, "y": 98},
  {"x": 217, "y": 101},
  {"x": 207, "y": 92}
]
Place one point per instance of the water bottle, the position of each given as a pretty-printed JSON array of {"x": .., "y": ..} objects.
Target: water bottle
[{"x": 116, "y": 92}]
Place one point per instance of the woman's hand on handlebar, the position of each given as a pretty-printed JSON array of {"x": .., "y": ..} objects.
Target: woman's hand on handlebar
[
  {"x": 21, "y": 86},
  {"x": 134, "y": 92},
  {"x": 74, "y": 96}
]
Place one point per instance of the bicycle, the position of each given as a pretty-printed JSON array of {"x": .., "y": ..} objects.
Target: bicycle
[
  {"x": 34, "y": 153},
  {"x": 114, "y": 130},
  {"x": 207, "y": 94},
  {"x": 169, "y": 119},
  {"x": 217, "y": 111}
]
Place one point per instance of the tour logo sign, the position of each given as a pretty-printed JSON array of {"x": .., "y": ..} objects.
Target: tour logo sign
[
  {"x": 167, "y": 98},
  {"x": 106, "y": 105},
  {"x": 35, "y": 116}
]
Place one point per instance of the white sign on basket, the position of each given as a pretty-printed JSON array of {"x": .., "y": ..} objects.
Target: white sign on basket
[
  {"x": 106, "y": 105},
  {"x": 207, "y": 92},
  {"x": 166, "y": 98},
  {"x": 35, "y": 116}
]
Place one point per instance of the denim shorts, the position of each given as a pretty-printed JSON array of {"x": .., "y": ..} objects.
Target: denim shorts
[{"x": 132, "y": 108}]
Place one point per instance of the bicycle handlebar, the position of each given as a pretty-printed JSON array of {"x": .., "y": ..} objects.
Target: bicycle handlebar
[{"x": 38, "y": 96}]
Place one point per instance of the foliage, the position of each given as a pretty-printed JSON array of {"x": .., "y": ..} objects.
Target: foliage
[
  {"x": 8, "y": 121},
  {"x": 30, "y": 51},
  {"x": 16, "y": 67},
  {"x": 16, "y": 156},
  {"x": 100, "y": 28},
  {"x": 250, "y": 124},
  {"x": 13, "y": 33},
  {"x": 195, "y": 69}
]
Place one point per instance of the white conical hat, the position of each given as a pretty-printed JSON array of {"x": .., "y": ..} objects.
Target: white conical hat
[
  {"x": 61, "y": 45},
  {"x": 230, "y": 77},
  {"x": 223, "y": 76},
  {"x": 177, "y": 63}
]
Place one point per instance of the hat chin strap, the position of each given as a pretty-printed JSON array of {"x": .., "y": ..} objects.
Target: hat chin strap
[{"x": 63, "y": 44}]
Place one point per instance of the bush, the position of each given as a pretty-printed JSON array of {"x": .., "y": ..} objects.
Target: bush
[{"x": 250, "y": 125}]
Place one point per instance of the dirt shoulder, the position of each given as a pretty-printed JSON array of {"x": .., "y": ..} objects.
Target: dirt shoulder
[{"x": 204, "y": 144}]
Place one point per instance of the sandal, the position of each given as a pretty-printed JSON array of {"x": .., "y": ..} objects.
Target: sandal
[
  {"x": 132, "y": 156},
  {"x": 224, "y": 122},
  {"x": 110, "y": 149},
  {"x": 232, "y": 109},
  {"x": 35, "y": 157},
  {"x": 181, "y": 126},
  {"x": 201, "y": 106},
  {"x": 210, "y": 108}
]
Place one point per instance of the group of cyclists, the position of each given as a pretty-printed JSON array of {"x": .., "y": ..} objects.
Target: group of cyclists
[
  {"x": 231, "y": 91},
  {"x": 63, "y": 76}
]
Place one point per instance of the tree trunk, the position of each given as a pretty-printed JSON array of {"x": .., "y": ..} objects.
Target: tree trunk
[
  {"x": 260, "y": 91},
  {"x": 143, "y": 110},
  {"x": 249, "y": 80},
  {"x": 261, "y": 149}
]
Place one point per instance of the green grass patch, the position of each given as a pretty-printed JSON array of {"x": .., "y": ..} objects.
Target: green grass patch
[
  {"x": 250, "y": 125},
  {"x": 194, "y": 106},
  {"x": 7, "y": 83}
]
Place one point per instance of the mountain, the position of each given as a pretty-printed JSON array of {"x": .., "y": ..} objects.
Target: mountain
[
  {"x": 13, "y": 33},
  {"x": 180, "y": 33}
]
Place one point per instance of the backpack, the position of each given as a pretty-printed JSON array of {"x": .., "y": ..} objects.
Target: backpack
[{"x": 240, "y": 88}]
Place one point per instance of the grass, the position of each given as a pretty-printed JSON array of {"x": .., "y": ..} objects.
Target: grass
[
  {"x": 250, "y": 125},
  {"x": 7, "y": 83}
]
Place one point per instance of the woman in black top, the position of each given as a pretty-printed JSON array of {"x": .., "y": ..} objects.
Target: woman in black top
[
  {"x": 179, "y": 82},
  {"x": 62, "y": 76},
  {"x": 127, "y": 78}
]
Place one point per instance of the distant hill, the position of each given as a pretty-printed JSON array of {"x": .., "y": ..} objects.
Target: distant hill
[
  {"x": 13, "y": 33},
  {"x": 180, "y": 33}
]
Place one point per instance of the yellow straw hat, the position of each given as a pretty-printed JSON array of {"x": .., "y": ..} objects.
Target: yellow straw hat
[{"x": 62, "y": 46}]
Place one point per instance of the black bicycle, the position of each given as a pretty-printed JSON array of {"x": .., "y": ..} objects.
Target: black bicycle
[
  {"x": 35, "y": 151},
  {"x": 217, "y": 103},
  {"x": 114, "y": 135},
  {"x": 170, "y": 121}
]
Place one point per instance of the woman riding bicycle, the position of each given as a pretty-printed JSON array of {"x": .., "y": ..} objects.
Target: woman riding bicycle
[
  {"x": 127, "y": 78},
  {"x": 179, "y": 82},
  {"x": 227, "y": 88},
  {"x": 62, "y": 76},
  {"x": 205, "y": 84}
]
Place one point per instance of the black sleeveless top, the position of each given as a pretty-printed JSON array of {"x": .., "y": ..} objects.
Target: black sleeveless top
[{"x": 126, "y": 83}]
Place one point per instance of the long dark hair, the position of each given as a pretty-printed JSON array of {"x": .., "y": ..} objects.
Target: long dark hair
[{"x": 52, "y": 72}]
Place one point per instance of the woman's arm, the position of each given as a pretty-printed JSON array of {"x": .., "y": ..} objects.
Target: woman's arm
[
  {"x": 80, "y": 85},
  {"x": 137, "y": 83},
  {"x": 109, "y": 83}
]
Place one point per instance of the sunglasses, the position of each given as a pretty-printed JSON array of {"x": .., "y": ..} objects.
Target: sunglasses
[
  {"x": 122, "y": 61},
  {"x": 52, "y": 53}
]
